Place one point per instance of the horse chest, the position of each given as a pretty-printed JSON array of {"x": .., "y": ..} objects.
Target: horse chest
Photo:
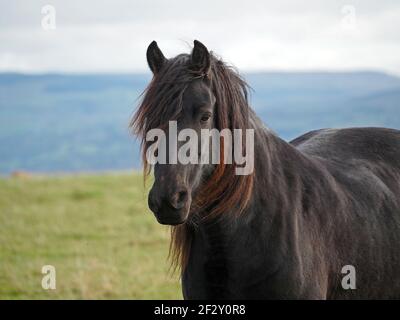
[{"x": 217, "y": 270}]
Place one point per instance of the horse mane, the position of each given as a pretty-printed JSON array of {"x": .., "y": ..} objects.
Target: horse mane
[{"x": 224, "y": 191}]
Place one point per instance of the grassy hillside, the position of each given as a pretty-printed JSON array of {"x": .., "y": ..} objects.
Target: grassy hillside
[{"x": 95, "y": 229}]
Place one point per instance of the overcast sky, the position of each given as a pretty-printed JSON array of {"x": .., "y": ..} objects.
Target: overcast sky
[{"x": 112, "y": 36}]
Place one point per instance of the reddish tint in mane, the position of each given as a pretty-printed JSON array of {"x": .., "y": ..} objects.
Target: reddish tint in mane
[{"x": 224, "y": 192}]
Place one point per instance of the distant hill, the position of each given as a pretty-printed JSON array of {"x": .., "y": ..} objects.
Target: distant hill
[{"x": 57, "y": 122}]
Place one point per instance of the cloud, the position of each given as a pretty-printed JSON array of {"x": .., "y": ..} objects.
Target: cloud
[{"x": 94, "y": 36}]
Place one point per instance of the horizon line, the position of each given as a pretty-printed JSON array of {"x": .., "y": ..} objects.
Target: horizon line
[{"x": 251, "y": 72}]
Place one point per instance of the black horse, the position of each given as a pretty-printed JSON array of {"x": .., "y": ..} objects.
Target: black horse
[{"x": 327, "y": 199}]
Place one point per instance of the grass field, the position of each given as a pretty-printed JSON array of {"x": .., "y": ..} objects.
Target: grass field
[{"x": 95, "y": 230}]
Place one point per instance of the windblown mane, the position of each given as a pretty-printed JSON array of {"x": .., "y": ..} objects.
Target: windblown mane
[{"x": 224, "y": 192}]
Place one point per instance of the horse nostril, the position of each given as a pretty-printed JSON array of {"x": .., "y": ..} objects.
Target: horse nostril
[
  {"x": 178, "y": 199},
  {"x": 182, "y": 196},
  {"x": 152, "y": 203}
]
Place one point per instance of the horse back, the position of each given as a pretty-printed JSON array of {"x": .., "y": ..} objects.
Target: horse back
[{"x": 365, "y": 166}]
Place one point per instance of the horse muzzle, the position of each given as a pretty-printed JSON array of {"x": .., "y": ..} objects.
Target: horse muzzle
[{"x": 170, "y": 208}]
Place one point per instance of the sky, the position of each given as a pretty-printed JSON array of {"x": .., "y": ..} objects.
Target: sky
[{"x": 112, "y": 36}]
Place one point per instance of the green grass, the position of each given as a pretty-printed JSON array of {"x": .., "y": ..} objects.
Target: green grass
[{"x": 95, "y": 230}]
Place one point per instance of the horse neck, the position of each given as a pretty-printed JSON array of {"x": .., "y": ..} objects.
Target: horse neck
[{"x": 279, "y": 171}]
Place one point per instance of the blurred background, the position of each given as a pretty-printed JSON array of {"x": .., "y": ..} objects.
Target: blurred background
[{"x": 71, "y": 75}]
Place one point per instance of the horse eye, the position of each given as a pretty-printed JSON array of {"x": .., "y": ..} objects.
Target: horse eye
[{"x": 205, "y": 117}]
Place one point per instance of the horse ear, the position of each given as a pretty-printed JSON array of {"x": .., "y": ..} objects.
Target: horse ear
[
  {"x": 200, "y": 58},
  {"x": 155, "y": 57}
]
